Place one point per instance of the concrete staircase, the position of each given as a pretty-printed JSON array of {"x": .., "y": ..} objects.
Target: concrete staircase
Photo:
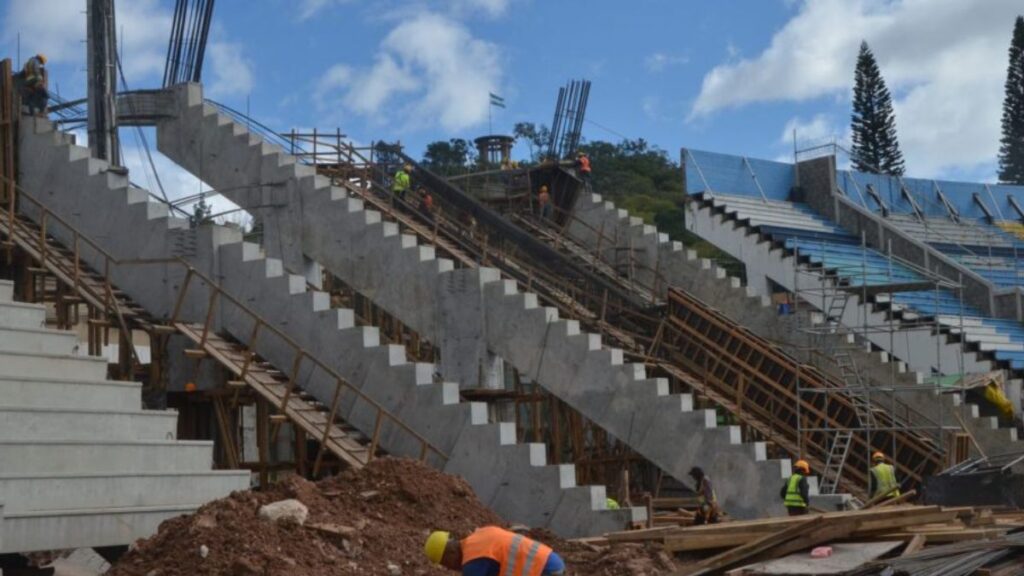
[
  {"x": 307, "y": 218},
  {"x": 512, "y": 478},
  {"x": 81, "y": 464},
  {"x": 601, "y": 226}
]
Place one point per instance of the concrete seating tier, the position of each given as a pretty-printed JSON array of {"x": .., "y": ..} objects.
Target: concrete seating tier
[
  {"x": 513, "y": 478},
  {"x": 836, "y": 251},
  {"x": 81, "y": 463}
]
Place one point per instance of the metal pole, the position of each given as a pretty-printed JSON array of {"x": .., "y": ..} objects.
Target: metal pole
[{"x": 101, "y": 61}]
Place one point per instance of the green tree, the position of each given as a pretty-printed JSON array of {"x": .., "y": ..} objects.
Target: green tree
[
  {"x": 875, "y": 147},
  {"x": 644, "y": 180},
  {"x": 1011, "y": 148},
  {"x": 535, "y": 137},
  {"x": 449, "y": 158}
]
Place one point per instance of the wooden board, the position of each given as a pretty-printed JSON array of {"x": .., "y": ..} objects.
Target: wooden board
[{"x": 844, "y": 557}]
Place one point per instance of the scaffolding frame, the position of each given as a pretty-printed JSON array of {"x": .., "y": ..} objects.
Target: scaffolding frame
[{"x": 828, "y": 293}]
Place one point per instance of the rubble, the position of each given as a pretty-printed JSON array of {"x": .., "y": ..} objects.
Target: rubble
[{"x": 347, "y": 533}]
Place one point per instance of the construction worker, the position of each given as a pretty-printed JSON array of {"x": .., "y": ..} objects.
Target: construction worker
[
  {"x": 795, "y": 492},
  {"x": 544, "y": 203},
  {"x": 34, "y": 80},
  {"x": 707, "y": 512},
  {"x": 994, "y": 395},
  {"x": 883, "y": 478},
  {"x": 400, "y": 184},
  {"x": 583, "y": 168},
  {"x": 492, "y": 551},
  {"x": 426, "y": 206}
]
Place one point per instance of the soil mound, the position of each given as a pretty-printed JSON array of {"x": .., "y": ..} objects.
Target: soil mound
[{"x": 368, "y": 522}]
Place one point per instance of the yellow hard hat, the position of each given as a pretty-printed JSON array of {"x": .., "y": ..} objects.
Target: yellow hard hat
[
  {"x": 42, "y": 57},
  {"x": 878, "y": 456},
  {"x": 434, "y": 548},
  {"x": 543, "y": 188},
  {"x": 802, "y": 465}
]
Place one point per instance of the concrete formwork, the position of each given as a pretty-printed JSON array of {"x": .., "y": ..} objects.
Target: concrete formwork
[
  {"x": 81, "y": 190},
  {"x": 305, "y": 217},
  {"x": 600, "y": 225}
]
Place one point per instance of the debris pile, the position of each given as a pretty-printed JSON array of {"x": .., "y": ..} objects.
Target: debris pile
[
  {"x": 867, "y": 541},
  {"x": 369, "y": 522}
]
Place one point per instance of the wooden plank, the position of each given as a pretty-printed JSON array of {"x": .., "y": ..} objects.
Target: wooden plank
[
  {"x": 916, "y": 543},
  {"x": 750, "y": 549}
]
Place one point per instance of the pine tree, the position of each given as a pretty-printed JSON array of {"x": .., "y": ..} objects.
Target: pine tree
[
  {"x": 875, "y": 147},
  {"x": 1011, "y": 149}
]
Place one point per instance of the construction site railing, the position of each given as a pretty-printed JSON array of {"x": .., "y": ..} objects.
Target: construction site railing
[
  {"x": 766, "y": 381},
  {"x": 648, "y": 333},
  {"x": 302, "y": 358}
]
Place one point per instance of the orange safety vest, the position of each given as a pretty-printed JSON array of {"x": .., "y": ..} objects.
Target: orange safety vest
[
  {"x": 584, "y": 164},
  {"x": 517, "y": 554}
]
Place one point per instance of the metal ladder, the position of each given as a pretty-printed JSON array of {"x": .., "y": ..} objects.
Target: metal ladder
[{"x": 843, "y": 439}]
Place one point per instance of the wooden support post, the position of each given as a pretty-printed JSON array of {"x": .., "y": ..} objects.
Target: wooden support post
[
  {"x": 263, "y": 440},
  {"x": 225, "y": 426},
  {"x": 300, "y": 451},
  {"x": 556, "y": 433}
]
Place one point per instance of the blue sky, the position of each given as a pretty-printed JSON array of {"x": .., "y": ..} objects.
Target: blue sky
[{"x": 734, "y": 77}]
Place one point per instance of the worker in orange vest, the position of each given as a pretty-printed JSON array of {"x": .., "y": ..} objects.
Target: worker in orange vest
[
  {"x": 492, "y": 551},
  {"x": 583, "y": 168},
  {"x": 544, "y": 201}
]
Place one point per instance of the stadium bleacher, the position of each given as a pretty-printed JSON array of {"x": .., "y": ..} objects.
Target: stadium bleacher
[{"x": 803, "y": 232}]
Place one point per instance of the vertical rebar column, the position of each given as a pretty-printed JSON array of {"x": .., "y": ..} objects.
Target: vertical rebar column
[{"x": 102, "y": 59}]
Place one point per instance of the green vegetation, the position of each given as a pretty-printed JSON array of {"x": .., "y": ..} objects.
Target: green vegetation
[
  {"x": 875, "y": 146},
  {"x": 1011, "y": 149},
  {"x": 644, "y": 180}
]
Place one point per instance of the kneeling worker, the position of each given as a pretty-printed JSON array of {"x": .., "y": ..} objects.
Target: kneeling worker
[
  {"x": 795, "y": 491},
  {"x": 707, "y": 511},
  {"x": 493, "y": 551}
]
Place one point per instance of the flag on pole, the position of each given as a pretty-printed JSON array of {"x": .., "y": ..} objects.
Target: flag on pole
[{"x": 497, "y": 100}]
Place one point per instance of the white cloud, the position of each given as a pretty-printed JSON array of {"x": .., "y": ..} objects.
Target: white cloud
[
  {"x": 817, "y": 130},
  {"x": 659, "y": 61},
  {"x": 943, "y": 59},
  {"x": 57, "y": 28},
  {"x": 310, "y": 8},
  {"x": 490, "y": 8},
  {"x": 432, "y": 59},
  {"x": 229, "y": 72}
]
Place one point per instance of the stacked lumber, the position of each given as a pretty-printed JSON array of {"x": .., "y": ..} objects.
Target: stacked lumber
[
  {"x": 913, "y": 529},
  {"x": 1003, "y": 556}
]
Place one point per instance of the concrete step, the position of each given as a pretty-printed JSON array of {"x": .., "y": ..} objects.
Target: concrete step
[
  {"x": 399, "y": 274},
  {"x": 84, "y": 527},
  {"x": 88, "y": 456},
  {"x": 19, "y": 423},
  {"x": 60, "y": 366},
  {"x": 21, "y": 315},
  {"x": 33, "y": 340},
  {"x": 70, "y": 393},
  {"x": 33, "y": 493},
  {"x": 406, "y": 388}
]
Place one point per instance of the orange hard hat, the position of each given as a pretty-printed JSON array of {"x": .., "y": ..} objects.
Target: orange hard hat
[
  {"x": 802, "y": 465},
  {"x": 190, "y": 387},
  {"x": 878, "y": 456}
]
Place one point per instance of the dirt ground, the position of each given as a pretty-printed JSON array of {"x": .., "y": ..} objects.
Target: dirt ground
[{"x": 369, "y": 522}]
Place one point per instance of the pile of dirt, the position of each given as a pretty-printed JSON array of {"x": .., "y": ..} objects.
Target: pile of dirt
[{"x": 368, "y": 522}]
